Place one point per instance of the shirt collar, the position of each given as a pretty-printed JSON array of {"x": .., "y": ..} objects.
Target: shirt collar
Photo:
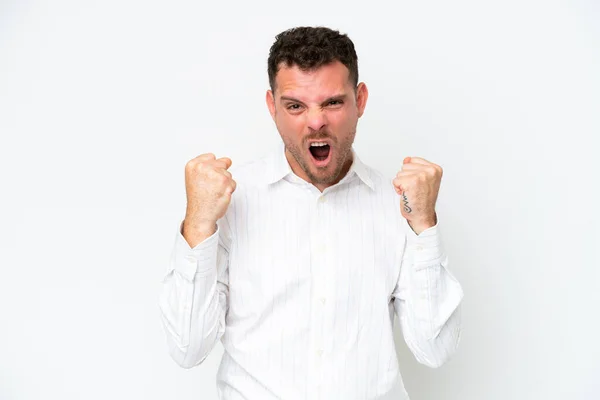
[
  {"x": 278, "y": 168},
  {"x": 361, "y": 170},
  {"x": 277, "y": 165}
]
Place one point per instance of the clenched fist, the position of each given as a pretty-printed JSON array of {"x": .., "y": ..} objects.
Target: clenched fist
[
  {"x": 208, "y": 187},
  {"x": 418, "y": 185}
]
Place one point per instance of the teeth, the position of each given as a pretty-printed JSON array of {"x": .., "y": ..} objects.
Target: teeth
[{"x": 318, "y": 144}]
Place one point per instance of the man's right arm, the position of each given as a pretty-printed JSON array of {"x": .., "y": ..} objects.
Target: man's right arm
[{"x": 193, "y": 300}]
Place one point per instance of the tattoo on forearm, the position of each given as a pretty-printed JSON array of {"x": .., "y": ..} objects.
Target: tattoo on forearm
[{"x": 406, "y": 207}]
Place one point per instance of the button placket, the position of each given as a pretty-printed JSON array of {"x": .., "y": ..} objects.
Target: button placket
[
  {"x": 319, "y": 268},
  {"x": 317, "y": 256}
]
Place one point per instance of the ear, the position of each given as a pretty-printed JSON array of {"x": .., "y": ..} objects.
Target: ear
[
  {"x": 271, "y": 103},
  {"x": 362, "y": 94}
]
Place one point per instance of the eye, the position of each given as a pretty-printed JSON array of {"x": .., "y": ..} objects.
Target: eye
[
  {"x": 335, "y": 103},
  {"x": 293, "y": 106}
]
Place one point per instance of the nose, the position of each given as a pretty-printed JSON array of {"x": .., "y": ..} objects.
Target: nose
[{"x": 316, "y": 119}]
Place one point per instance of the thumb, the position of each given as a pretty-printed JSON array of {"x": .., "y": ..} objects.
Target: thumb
[{"x": 406, "y": 160}]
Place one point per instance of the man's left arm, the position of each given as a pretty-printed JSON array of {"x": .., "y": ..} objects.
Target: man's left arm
[{"x": 427, "y": 296}]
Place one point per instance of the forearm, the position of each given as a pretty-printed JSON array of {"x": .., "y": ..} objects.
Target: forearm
[
  {"x": 419, "y": 226},
  {"x": 196, "y": 230},
  {"x": 193, "y": 301},
  {"x": 430, "y": 315},
  {"x": 429, "y": 298}
]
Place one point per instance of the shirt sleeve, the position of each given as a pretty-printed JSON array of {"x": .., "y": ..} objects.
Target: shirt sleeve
[
  {"x": 427, "y": 298},
  {"x": 193, "y": 298}
]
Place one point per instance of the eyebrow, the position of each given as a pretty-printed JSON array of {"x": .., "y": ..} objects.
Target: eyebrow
[
  {"x": 332, "y": 98},
  {"x": 286, "y": 98}
]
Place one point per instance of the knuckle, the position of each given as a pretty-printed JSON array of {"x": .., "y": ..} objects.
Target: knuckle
[
  {"x": 207, "y": 156},
  {"x": 201, "y": 167},
  {"x": 210, "y": 172},
  {"x": 190, "y": 165},
  {"x": 221, "y": 179}
]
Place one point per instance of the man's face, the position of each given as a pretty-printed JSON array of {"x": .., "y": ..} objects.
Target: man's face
[{"x": 316, "y": 113}]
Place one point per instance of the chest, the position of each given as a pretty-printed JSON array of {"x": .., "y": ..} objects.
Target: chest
[{"x": 289, "y": 245}]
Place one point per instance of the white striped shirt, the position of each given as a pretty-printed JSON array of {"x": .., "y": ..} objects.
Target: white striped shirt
[{"x": 301, "y": 287}]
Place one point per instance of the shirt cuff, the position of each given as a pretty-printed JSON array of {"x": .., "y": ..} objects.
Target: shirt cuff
[
  {"x": 426, "y": 246},
  {"x": 189, "y": 261}
]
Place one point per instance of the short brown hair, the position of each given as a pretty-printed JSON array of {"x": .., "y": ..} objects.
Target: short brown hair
[{"x": 310, "y": 48}]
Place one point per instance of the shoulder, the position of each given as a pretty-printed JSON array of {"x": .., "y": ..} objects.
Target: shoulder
[
  {"x": 381, "y": 184},
  {"x": 379, "y": 181},
  {"x": 260, "y": 171},
  {"x": 251, "y": 173}
]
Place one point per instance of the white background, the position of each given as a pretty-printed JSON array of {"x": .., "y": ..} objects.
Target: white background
[{"x": 102, "y": 103}]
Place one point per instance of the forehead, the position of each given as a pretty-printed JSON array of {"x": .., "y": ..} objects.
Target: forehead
[{"x": 328, "y": 80}]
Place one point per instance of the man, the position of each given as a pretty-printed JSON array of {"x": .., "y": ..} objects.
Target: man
[{"x": 297, "y": 261}]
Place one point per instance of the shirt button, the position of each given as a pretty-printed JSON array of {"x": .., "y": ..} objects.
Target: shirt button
[
  {"x": 322, "y": 300},
  {"x": 322, "y": 199},
  {"x": 191, "y": 259},
  {"x": 419, "y": 248},
  {"x": 319, "y": 352}
]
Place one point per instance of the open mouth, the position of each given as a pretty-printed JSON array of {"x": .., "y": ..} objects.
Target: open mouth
[{"x": 320, "y": 152}]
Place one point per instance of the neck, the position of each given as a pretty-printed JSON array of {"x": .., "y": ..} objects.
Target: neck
[{"x": 299, "y": 171}]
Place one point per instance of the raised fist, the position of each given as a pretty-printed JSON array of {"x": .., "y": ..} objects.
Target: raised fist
[{"x": 208, "y": 187}]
